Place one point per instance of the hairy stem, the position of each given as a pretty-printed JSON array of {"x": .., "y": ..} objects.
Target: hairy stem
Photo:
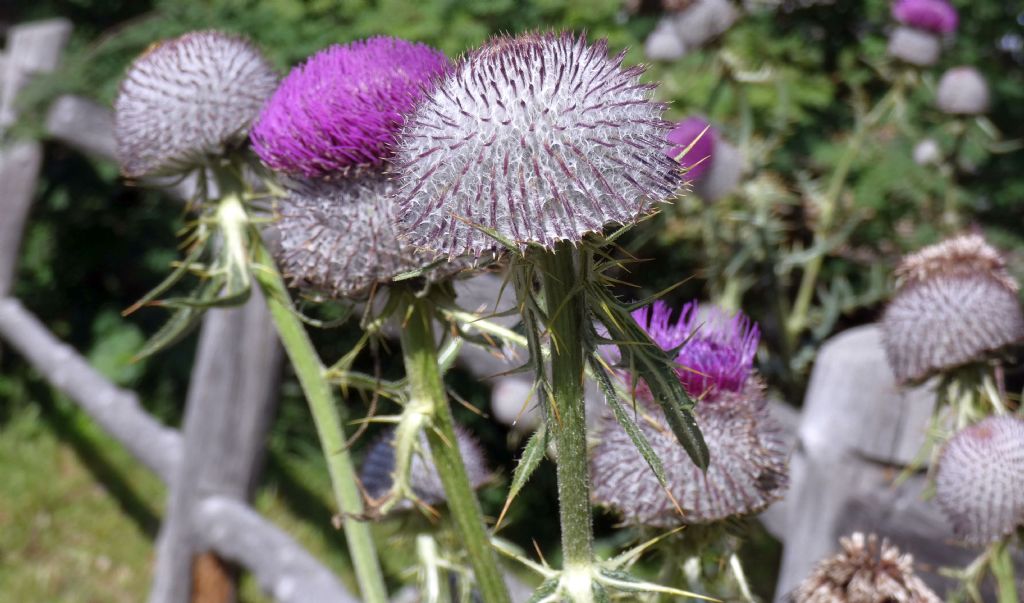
[
  {"x": 421, "y": 366},
  {"x": 1002, "y": 569},
  {"x": 565, "y": 312},
  {"x": 324, "y": 408}
]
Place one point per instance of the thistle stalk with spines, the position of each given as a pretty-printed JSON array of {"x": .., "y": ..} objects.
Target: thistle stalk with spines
[
  {"x": 535, "y": 143},
  {"x": 219, "y": 83}
]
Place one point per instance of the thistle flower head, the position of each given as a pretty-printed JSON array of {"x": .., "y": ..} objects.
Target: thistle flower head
[
  {"x": 748, "y": 470},
  {"x": 864, "y": 572},
  {"x": 698, "y": 133},
  {"x": 937, "y": 16},
  {"x": 377, "y": 471},
  {"x": 979, "y": 484},
  {"x": 956, "y": 304},
  {"x": 962, "y": 91},
  {"x": 717, "y": 353},
  {"x": 188, "y": 99},
  {"x": 337, "y": 236},
  {"x": 540, "y": 138},
  {"x": 343, "y": 106},
  {"x": 915, "y": 46}
]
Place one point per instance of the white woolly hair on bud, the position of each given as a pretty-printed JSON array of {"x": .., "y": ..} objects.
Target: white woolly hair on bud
[
  {"x": 915, "y": 46},
  {"x": 956, "y": 304},
  {"x": 337, "y": 237},
  {"x": 749, "y": 467},
  {"x": 541, "y": 138},
  {"x": 962, "y": 91},
  {"x": 979, "y": 483},
  {"x": 864, "y": 572},
  {"x": 377, "y": 472},
  {"x": 187, "y": 99}
]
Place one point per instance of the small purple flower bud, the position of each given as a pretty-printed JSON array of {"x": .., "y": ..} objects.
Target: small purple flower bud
[
  {"x": 717, "y": 352},
  {"x": 343, "y": 106},
  {"x": 979, "y": 483},
  {"x": 540, "y": 138},
  {"x": 937, "y": 16},
  {"x": 864, "y": 572},
  {"x": 748, "y": 470},
  {"x": 699, "y": 133},
  {"x": 962, "y": 91},
  {"x": 188, "y": 99},
  {"x": 955, "y": 304}
]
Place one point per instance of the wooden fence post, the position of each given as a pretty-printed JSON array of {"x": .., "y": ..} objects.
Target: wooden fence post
[{"x": 31, "y": 48}]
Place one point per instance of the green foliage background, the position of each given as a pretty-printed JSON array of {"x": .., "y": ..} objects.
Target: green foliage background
[{"x": 94, "y": 245}]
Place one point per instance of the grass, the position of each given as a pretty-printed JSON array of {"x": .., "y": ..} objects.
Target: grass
[{"x": 79, "y": 516}]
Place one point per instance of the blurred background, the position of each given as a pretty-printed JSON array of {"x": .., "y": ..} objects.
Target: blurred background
[{"x": 792, "y": 84}]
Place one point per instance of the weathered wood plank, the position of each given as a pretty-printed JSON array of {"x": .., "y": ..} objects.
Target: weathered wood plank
[{"x": 230, "y": 406}]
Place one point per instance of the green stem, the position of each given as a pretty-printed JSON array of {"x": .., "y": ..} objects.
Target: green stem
[
  {"x": 1002, "y": 569},
  {"x": 323, "y": 406},
  {"x": 568, "y": 423},
  {"x": 421, "y": 366}
]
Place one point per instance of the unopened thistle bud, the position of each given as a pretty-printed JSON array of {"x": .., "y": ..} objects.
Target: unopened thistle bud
[
  {"x": 955, "y": 304},
  {"x": 342, "y": 107},
  {"x": 377, "y": 473},
  {"x": 188, "y": 99},
  {"x": 337, "y": 237},
  {"x": 864, "y": 572},
  {"x": 689, "y": 27},
  {"x": 962, "y": 91},
  {"x": 979, "y": 484},
  {"x": 539, "y": 138}
]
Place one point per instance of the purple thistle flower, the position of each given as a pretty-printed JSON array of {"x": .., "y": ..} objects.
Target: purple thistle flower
[
  {"x": 937, "y": 16},
  {"x": 698, "y": 159},
  {"x": 541, "y": 138},
  {"x": 343, "y": 106},
  {"x": 717, "y": 352}
]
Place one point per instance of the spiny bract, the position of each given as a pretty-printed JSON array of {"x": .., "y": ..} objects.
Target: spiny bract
[
  {"x": 698, "y": 133},
  {"x": 979, "y": 484},
  {"x": 343, "y": 106},
  {"x": 541, "y": 138},
  {"x": 188, "y": 99},
  {"x": 956, "y": 304},
  {"x": 748, "y": 469},
  {"x": 337, "y": 237},
  {"x": 863, "y": 572}
]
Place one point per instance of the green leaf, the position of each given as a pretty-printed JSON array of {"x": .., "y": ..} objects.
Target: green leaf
[
  {"x": 546, "y": 590},
  {"x": 630, "y": 426},
  {"x": 172, "y": 279},
  {"x": 533, "y": 454}
]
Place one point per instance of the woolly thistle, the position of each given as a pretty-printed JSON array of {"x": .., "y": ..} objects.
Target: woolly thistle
[
  {"x": 337, "y": 236},
  {"x": 717, "y": 350},
  {"x": 702, "y": 136},
  {"x": 915, "y": 46},
  {"x": 962, "y": 91},
  {"x": 377, "y": 473},
  {"x": 689, "y": 27},
  {"x": 188, "y": 99},
  {"x": 540, "y": 138},
  {"x": 936, "y": 16},
  {"x": 955, "y": 305},
  {"x": 979, "y": 483},
  {"x": 863, "y": 572},
  {"x": 343, "y": 106},
  {"x": 748, "y": 469}
]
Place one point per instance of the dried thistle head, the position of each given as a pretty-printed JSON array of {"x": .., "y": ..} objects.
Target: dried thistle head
[
  {"x": 962, "y": 91},
  {"x": 377, "y": 471},
  {"x": 541, "y": 138},
  {"x": 337, "y": 237},
  {"x": 979, "y": 483},
  {"x": 188, "y": 99},
  {"x": 864, "y": 572},
  {"x": 748, "y": 470},
  {"x": 956, "y": 304},
  {"x": 342, "y": 108}
]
